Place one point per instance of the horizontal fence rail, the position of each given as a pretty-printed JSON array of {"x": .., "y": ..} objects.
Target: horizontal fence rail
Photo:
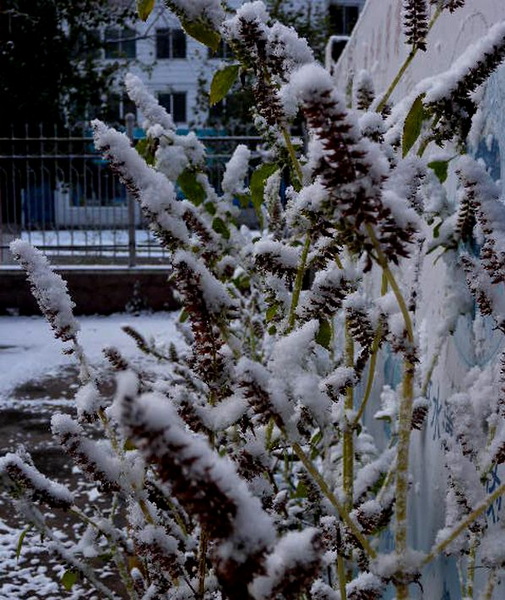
[{"x": 59, "y": 193}]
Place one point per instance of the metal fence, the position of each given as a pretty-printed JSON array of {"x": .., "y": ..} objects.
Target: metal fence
[{"x": 57, "y": 192}]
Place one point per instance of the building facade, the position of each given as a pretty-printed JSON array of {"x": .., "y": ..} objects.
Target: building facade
[{"x": 177, "y": 69}]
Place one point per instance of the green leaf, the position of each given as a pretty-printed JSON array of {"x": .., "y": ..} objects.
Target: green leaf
[
  {"x": 146, "y": 148},
  {"x": 129, "y": 445},
  {"x": 323, "y": 337},
  {"x": 222, "y": 82},
  {"x": 436, "y": 230},
  {"x": 257, "y": 184},
  {"x": 244, "y": 199},
  {"x": 144, "y": 8},
  {"x": 184, "y": 316},
  {"x": 21, "y": 540},
  {"x": 191, "y": 187},
  {"x": 271, "y": 312},
  {"x": 413, "y": 125},
  {"x": 219, "y": 226},
  {"x": 440, "y": 168},
  {"x": 203, "y": 32},
  {"x": 242, "y": 282},
  {"x": 69, "y": 578},
  {"x": 210, "y": 208},
  {"x": 301, "y": 490}
]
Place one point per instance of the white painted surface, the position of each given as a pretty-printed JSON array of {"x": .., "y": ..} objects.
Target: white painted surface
[{"x": 377, "y": 45}]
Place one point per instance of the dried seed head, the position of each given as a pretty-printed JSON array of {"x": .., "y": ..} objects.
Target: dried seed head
[{"x": 415, "y": 23}]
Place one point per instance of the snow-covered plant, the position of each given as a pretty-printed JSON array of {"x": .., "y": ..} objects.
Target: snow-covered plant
[{"x": 248, "y": 468}]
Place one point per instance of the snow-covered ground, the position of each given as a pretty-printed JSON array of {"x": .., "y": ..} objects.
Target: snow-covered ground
[
  {"x": 28, "y": 352},
  {"x": 28, "y": 349}
]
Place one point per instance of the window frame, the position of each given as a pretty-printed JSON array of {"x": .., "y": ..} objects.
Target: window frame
[
  {"x": 172, "y": 106},
  {"x": 124, "y": 46},
  {"x": 169, "y": 44}
]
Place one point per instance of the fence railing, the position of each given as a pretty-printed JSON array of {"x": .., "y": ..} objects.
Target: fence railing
[{"x": 57, "y": 192}]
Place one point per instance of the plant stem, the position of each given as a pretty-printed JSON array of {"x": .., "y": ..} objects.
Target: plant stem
[
  {"x": 340, "y": 508},
  {"x": 491, "y": 582},
  {"x": 404, "y": 418},
  {"x": 396, "y": 80},
  {"x": 202, "y": 563},
  {"x": 292, "y": 155},
  {"x": 341, "y": 577},
  {"x": 405, "y": 65},
  {"x": 464, "y": 524},
  {"x": 123, "y": 570},
  {"x": 348, "y": 435},
  {"x": 371, "y": 373},
  {"x": 402, "y": 467},
  {"x": 298, "y": 283},
  {"x": 470, "y": 570},
  {"x": 373, "y": 360}
]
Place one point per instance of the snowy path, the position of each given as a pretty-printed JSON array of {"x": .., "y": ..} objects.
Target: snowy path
[
  {"x": 29, "y": 354},
  {"x": 28, "y": 349}
]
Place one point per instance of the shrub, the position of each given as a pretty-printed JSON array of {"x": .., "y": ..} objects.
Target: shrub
[{"x": 249, "y": 468}]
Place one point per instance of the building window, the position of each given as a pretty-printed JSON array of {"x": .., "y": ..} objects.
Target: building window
[
  {"x": 175, "y": 104},
  {"x": 120, "y": 43},
  {"x": 223, "y": 51},
  {"x": 170, "y": 43},
  {"x": 117, "y": 107},
  {"x": 343, "y": 18}
]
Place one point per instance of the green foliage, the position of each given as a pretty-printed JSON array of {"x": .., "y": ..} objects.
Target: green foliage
[
  {"x": 202, "y": 32},
  {"x": 191, "y": 187},
  {"x": 145, "y": 8},
  {"x": 21, "y": 540},
  {"x": 50, "y": 66},
  {"x": 146, "y": 148},
  {"x": 440, "y": 168},
  {"x": 324, "y": 334},
  {"x": 219, "y": 226},
  {"x": 69, "y": 579},
  {"x": 258, "y": 181},
  {"x": 222, "y": 82},
  {"x": 413, "y": 125}
]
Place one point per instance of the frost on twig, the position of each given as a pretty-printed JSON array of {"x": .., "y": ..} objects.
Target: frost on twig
[{"x": 49, "y": 289}]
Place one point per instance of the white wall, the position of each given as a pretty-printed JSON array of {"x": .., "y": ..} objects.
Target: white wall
[{"x": 377, "y": 45}]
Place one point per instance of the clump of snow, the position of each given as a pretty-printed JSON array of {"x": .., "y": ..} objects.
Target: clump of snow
[
  {"x": 236, "y": 171},
  {"x": 156, "y": 193},
  {"x": 153, "y": 112},
  {"x": 206, "y": 10},
  {"x": 217, "y": 299},
  {"x": 444, "y": 84},
  {"x": 49, "y": 289},
  {"x": 294, "y": 553},
  {"x": 34, "y": 484}
]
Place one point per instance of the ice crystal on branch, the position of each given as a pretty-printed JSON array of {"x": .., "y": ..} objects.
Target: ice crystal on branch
[
  {"x": 154, "y": 191},
  {"x": 206, "y": 485}
]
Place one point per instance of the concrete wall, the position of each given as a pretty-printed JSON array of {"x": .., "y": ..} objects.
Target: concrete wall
[
  {"x": 377, "y": 45},
  {"x": 94, "y": 290}
]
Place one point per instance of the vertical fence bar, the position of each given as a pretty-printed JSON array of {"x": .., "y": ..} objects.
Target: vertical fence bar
[{"x": 130, "y": 120}]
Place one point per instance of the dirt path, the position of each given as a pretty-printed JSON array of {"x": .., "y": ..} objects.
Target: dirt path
[{"x": 26, "y": 420}]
